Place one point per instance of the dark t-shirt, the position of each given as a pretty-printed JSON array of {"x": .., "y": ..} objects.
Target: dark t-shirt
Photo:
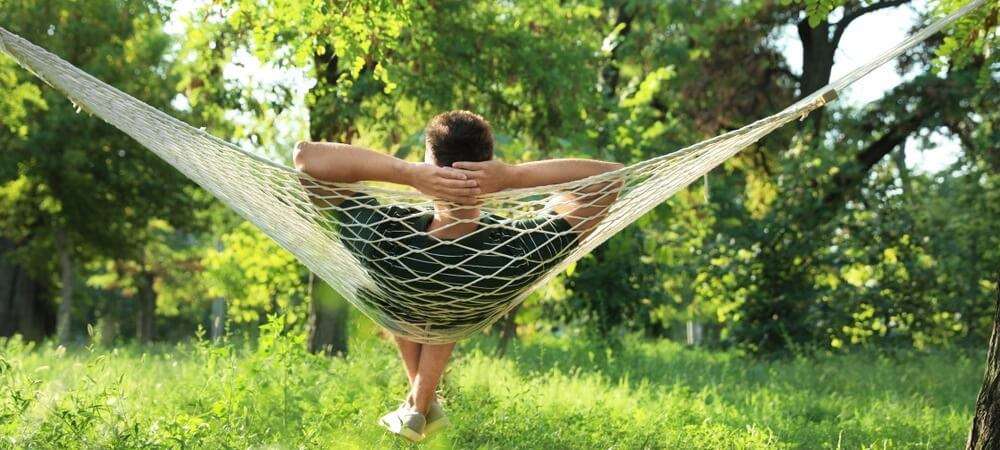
[{"x": 448, "y": 282}]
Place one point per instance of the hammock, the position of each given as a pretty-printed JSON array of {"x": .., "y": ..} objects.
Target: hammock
[{"x": 373, "y": 248}]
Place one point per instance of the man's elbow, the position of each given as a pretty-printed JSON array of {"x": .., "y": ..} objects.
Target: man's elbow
[
  {"x": 302, "y": 156},
  {"x": 617, "y": 182}
]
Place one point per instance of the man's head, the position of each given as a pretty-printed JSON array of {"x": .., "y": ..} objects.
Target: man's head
[{"x": 458, "y": 136}]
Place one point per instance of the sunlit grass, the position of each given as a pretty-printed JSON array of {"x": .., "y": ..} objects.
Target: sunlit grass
[{"x": 549, "y": 393}]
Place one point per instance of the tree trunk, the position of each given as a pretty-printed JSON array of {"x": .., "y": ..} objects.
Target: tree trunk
[
  {"x": 985, "y": 433},
  {"x": 327, "y": 320},
  {"x": 66, "y": 278},
  {"x": 24, "y": 309},
  {"x": 107, "y": 326},
  {"x": 819, "y": 45},
  {"x": 899, "y": 160},
  {"x": 218, "y": 318},
  {"x": 693, "y": 333},
  {"x": 508, "y": 332},
  {"x": 146, "y": 308},
  {"x": 330, "y": 119},
  {"x": 818, "y": 49}
]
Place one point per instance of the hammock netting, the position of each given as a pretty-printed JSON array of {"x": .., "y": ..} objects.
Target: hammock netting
[{"x": 370, "y": 243}]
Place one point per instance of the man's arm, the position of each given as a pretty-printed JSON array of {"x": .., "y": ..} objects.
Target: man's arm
[
  {"x": 583, "y": 208},
  {"x": 343, "y": 163}
]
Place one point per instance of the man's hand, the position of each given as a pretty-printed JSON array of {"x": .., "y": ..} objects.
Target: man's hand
[
  {"x": 493, "y": 175},
  {"x": 443, "y": 182}
]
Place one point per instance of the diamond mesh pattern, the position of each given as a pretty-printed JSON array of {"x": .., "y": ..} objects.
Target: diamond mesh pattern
[{"x": 367, "y": 241}]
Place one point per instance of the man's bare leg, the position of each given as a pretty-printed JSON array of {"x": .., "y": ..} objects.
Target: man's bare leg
[
  {"x": 409, "y": 352},
  {"x": 433, "y": 360}
]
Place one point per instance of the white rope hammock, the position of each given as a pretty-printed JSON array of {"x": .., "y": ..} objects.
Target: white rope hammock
[{"x": 374, "y": 248}]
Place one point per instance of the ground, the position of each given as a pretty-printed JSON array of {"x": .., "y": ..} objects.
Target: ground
[{"x": 550, "y": 392}]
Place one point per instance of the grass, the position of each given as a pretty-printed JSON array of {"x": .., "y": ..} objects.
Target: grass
[{"x": 549, "y": 393}]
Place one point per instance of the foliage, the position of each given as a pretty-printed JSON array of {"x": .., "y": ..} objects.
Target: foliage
[
  {"x": 98, "y": 181},
  {"x": 73, "y": 187},
  {"x": 644, "y": 394},
  {"x": 20, "y": 97},
  {"x": 255, "y": 275},
  {"x": 974, "y": 36},
  {"x": 713, "y": 262},
  {"x": 817, "y": 235}
]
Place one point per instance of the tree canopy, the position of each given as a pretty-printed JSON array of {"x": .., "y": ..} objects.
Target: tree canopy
[{"x": 821, "y": 234}]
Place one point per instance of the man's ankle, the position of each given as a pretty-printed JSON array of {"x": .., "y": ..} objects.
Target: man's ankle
[{"x": 412, "y": 403}]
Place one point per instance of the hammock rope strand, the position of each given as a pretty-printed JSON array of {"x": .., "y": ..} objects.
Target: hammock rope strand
[{"x": 370, "y": 243}]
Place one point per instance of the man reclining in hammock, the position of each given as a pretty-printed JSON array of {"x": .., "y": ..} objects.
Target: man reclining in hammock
[{"x": 454, "y": 255}]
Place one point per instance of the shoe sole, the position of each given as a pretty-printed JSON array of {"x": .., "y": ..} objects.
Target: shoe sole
[
  {"x": 436, "y": 426},
  {"x": 404, "y": 432}
]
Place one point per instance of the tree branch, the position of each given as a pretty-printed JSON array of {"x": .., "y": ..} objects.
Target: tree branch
[
  {"x": 852, "y": 14},
  {"x": 871, "y": 155}
]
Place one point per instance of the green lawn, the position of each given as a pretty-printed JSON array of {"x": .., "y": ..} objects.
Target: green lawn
[{"x": 549, "y": 393}]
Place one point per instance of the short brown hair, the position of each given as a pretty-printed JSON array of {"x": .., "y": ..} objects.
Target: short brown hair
[{"x": 459, "y": 136}]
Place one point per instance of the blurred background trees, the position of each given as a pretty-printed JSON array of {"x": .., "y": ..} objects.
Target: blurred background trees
[{"x": 821, "y": 235}]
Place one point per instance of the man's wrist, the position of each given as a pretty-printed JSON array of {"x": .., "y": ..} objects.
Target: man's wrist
[
  {"x": 512, "y": 175},
  {"x": 407, "y": 171}
]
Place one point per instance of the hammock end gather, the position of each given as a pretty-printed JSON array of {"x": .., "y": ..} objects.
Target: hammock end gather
[
  {"x": 828, "y": 97},
  {"x": 820, "y": 102}
]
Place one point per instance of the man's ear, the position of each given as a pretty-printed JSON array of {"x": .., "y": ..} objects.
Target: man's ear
[{"x": 429, "y": 154}]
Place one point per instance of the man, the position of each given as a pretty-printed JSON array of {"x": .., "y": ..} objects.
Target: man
[{"x": 458, "y": 166}]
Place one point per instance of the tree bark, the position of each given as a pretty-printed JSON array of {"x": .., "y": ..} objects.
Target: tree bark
[
  {"x": 327, "y": 321},
  {"x": 818, "y": 49},
  {"x": 329, "y": 121},
  {"x": 146, "y": 308},
  {"x": 66, "y": 277},
  {"x": 508, "y": 332},
  {"x": 109, "y": 322},
  {"x": 23, "y": 306},
  {"x": 985, "y": 433},
  {"x": 108, "y": 329},
  {"x": 218, "y": 318}
]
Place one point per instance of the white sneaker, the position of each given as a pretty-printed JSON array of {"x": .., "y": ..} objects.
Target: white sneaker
[
  {"x": 436, "y": 419},
  {"x": 406, "y": 422}
]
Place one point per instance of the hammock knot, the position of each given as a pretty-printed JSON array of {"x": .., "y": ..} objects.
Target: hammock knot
[
  {"x": 430, "y": 293},
  {"x": 819, "y": 102}
]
